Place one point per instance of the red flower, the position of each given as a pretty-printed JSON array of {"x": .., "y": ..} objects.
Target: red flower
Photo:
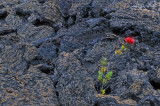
[{"x": 130, "y": 40}]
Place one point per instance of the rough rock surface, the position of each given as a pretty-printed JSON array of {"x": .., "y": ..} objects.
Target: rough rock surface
[{"x": 50, "y": 52}]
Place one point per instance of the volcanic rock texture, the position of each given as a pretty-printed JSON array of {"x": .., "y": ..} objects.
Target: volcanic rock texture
[{"x": 50, "y": 52}]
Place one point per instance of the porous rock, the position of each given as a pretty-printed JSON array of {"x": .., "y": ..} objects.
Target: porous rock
[{"x": 50, "y": 52}]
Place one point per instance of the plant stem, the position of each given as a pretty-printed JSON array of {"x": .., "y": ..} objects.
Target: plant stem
[{"x": 106, "y": 70}]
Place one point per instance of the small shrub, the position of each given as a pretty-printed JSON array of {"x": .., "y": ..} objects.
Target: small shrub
[{"x": 104, "y": 75}]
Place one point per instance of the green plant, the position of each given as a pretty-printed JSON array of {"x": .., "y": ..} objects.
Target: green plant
[{"x": 104, "y": 75}]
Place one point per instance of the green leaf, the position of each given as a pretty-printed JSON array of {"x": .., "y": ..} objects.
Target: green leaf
[
  {"x": 123, "y": 47},
  {"x": 109, "y": 74},
  {"x": 100, "y": 74},
  {"x": 104, "y": 61},
  {"x": 103, "y": 91},
  {"x": 108, "y": 78},
  {"x": 100, "y": 78}
]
